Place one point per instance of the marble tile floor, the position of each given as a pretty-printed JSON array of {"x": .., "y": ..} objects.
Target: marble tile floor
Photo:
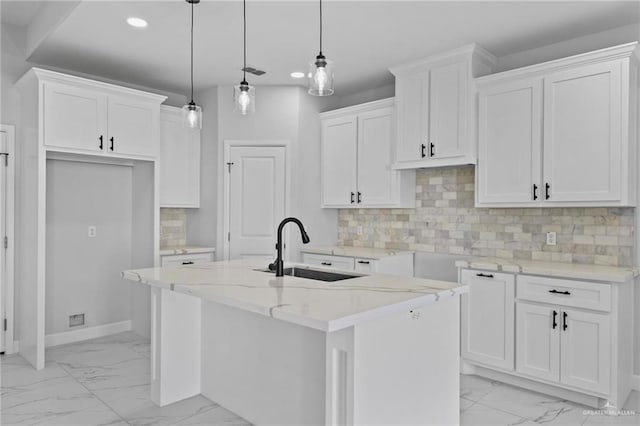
[{"x": 106, "y": 382}]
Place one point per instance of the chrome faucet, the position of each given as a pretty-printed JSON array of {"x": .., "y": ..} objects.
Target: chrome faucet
[{"x": 278, "y": 264}]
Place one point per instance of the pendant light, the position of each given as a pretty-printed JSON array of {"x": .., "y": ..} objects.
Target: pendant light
[
  {"x": 244, "y": 96},
  {"x": 321, "y": 71},
  {"x": 192, "y": 113}
]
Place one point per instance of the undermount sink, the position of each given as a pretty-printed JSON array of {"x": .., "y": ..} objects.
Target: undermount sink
[{"x": 315, "y": 274}]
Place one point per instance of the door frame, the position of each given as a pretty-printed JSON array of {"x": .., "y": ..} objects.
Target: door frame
[
  {"x": 9, "y": 301},
  {"x": 228, "y": 144}
]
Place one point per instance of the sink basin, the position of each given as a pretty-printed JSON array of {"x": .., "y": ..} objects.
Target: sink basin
[{"x": 315, "y": 274}]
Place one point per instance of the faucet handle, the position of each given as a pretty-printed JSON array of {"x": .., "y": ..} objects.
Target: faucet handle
[{"x": 272, "y": 266}]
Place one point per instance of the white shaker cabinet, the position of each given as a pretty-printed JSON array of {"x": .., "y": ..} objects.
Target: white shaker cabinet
[
  {"x": 436, "y": 107},
  {"x": 356, "y": 159},
  {"x": 90, "y": 117},
  {"x": 487, "y": 334},
  {"x": 560, "y": 134},
  {"x": 179, "y": 161},
  {"x": 538, "y": 341}
]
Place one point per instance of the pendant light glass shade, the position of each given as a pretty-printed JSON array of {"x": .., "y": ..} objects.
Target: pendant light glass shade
[
  {"x": 321, "y": 71},
  {"x": 244, "y": 98},
  {"x": 192, "y": 116},
  {"x": 192, "y": 113},
  {"x": 321, "y": 77}
]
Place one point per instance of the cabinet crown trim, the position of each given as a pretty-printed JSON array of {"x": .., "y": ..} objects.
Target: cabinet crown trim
[
  {"x": 356, "y": 109},
  {"x": 58, "y": 77},
  {"x": 469, "y": 50},
  {"x": 622, "y": 51}
]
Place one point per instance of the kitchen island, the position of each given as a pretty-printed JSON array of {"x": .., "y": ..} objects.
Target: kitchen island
[{"x": 369, "y": 350}]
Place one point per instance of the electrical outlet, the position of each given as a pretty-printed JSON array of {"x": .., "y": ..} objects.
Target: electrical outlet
[
  {"x": 359, "y": 230},
  {"x": 551, "y": 238},
  {"x": 76, "y": 320},
  {"x": 91, "y": 233}
]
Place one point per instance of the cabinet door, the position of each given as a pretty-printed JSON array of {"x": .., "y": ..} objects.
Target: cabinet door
[
  {"x": 447, "y": 110},
  {"x": 582, "y": 133},
  {"x": 538, "y": 341},
  {"x": 585, "y": 350},
  {"x": 412, "y": 103},
  {"x": 133, "y": 127},
  {"x": 488, "y": 318},
  {"x": 179, "y": 162},
  {"x": 509, "y": 145},
  {"x": 376, "y": 180},
  {"x": 339, "y": 161},
  {"x": 74, "y": 118}
]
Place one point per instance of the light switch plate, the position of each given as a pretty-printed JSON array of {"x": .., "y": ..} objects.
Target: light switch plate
[{"x": 551, "y": 238}]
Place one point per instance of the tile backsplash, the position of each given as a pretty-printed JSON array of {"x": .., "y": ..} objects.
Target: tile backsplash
[
  {"x": 446, "y": 221},
  {"x": 173, "y": 227}
]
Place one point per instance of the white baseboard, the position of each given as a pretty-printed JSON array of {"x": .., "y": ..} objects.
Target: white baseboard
[
  {"x": 635, "y": 383},
  {"x": 86, "y": 333}
]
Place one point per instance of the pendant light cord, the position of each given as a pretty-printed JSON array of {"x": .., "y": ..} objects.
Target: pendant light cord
[
  {"x": 320, "y": 27},
  {"x": 244, "y": 18},
  {"x": 192, "y": 52}
]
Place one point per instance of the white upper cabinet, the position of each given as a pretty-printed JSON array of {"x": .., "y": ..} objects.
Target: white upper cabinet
[
  {"x": 179, "y": 161},
  {"x": 357, "y": 144},
  {"x": 90, "y": 117},
  {"x": 510, "y": 141},
  {"x": 339, "y": 157},
  {"x": 435, "y": 106},
  {"x": 560, "y": 134}
]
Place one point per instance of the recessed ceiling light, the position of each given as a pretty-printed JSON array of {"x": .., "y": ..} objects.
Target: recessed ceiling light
[
  {"x": 137, "y": 22},
  {"x": 297, "y": 74}
]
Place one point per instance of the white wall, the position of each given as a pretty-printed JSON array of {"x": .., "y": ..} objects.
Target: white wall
[
  {"x": 282, "y": 113},
  {"x": 82, "y": 273}
]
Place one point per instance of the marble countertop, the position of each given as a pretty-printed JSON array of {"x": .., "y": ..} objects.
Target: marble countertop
[
  {"x": 552, "y": 269},
  {"x": 365, "y": 252},
  {"x": 326, "y": 306},
  {"x": 168, "y": 251}
]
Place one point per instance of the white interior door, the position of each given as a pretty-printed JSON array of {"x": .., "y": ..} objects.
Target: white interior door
[
  {"x": 3, "y": 232},
  {"x": 256, "y": 200}
]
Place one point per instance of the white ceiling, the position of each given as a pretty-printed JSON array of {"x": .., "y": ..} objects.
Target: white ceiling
[
  {"x": 364, "y": 38},
  {"x": 19, "y": 13}
]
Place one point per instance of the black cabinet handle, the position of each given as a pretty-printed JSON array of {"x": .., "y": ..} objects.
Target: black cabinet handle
[
  {"x": 555, "y": 323},
  {"x": 353, "y": 198},
  {"x": 564, "y": 320},
  {"x": 111, "y": 140},
  {"x": 535, "y": 192},
  {"x": 101, "y": 139},
  {"x": 423, "y": 147},
  {"x": 359, "y": 197},
  {"x": 431, "y": 150},
  {"x": 484, "y": 275},
  {"x": 326, "y": 263},
  {"x": 187, "y": 263},
  {"x": 547, "y": 187},
  {"x": 364, "y": 262},
  {"x": 554, "y": 291}
]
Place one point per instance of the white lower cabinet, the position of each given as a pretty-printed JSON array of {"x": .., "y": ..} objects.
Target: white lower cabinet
[
  {"x": 400, "y": 263},
  {"x": 572, "y": 337},
  {"x": 487, "y": 318},
  {"x": 568, "y": 346}
]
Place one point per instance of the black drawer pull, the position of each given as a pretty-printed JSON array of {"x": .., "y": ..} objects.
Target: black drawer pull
[
  {"x": 187, "y": 263},
  {"x": 359, "y": 197},
  {"x": 564, "y": 320},
  {"x": 423, "y": 147},
  {"x": 101, "y": 139},
  {"x": 111, "y": 140},
  {"x": 364, "y": 262},
  {"x": 535, "y": 192},
  {"x": 431, "y": 150},
  {"x": 484, "y": 275},
  {"x": 326, "y": 263},
  {"x": 555, "y": 323},
  {"x": 554, "y": 291},
  {"x": 547, "y": 187},
  {"x": 353, "y": 198}
]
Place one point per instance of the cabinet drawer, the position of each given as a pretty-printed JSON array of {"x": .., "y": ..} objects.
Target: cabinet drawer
[
  {"x": 367, "y": 266},
  {"x": 580, "y": 294},
  {"x": 337, "y": 262},
  {"x": 186, "y": 259}
]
